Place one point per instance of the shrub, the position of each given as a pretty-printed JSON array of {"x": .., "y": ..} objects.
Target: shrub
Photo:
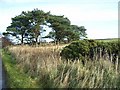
[
  {"x": 78, "y": 49},
  {"x": 91, "y": 49},
  {"x": 109, "y": 49}
]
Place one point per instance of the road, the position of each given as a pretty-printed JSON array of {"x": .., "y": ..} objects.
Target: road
[
  {"x": 2, "y": 76},
  {"x": 2, "y": 72}
]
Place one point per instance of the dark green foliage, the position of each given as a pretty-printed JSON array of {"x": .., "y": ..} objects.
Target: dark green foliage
[
  {"x": 91, "y": 49},
  {"x": 78, "y": 49},
  {"x": 59, "y": 25},
  {"x": 112, "y": 47},
  {"x": 75, "y": 33},
  {"x": 62, "y": 29},
  {"x": 29, "y": 25}
]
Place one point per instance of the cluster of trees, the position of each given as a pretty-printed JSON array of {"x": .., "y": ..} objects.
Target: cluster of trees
[{"x": 29, "y": 25}]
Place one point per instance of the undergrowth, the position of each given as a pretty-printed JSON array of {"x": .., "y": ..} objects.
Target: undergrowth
[
  {"x": 45, "y": 65},
  {"x": 15, "y": 78}
]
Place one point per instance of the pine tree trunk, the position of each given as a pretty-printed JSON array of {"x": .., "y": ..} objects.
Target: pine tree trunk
[
  {"x": 96, "y": 54},
  {"x": 36, "y": 41},
  {"x": 100, "y": 53},
  {"x": 22, "y": 39},
  {"x": 111, "y": 56}
]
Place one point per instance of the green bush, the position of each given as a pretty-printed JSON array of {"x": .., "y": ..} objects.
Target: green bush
[
  {"x": 91, "y": 49},
  {"x": 78, "y": 49}
]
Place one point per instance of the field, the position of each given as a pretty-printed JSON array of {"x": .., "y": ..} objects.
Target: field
[
  {"x": 109, "y": 39},
  {"x": 45, "y": 68}
]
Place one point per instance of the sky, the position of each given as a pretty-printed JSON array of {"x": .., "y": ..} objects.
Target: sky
[{"x": 99, "y": 17}]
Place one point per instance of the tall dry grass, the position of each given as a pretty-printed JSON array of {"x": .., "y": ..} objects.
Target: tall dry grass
[{"x": 45, "y": 65}]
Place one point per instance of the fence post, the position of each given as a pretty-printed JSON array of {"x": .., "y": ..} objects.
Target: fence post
[{"x": 116, "y": 64}]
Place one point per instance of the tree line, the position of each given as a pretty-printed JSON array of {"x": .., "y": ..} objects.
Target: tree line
[{"x": 29, "y": 25}]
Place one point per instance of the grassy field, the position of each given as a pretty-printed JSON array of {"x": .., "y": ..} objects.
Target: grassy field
[
  {"x": 47, "y": 70},
  {"x": 108, "y": 40}
]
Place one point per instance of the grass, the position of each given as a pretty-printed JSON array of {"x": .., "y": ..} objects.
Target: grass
[
  {"x": 108, "y": 40},
  {"x": 15, "y": 78},
  {"x": 44, "y": 65}
]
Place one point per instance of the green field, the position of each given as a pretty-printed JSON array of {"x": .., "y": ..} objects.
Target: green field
[{"x": 107, "y": 40}]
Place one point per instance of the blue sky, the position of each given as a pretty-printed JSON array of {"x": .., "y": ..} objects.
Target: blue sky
[{"x": 100, "y": 17}]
